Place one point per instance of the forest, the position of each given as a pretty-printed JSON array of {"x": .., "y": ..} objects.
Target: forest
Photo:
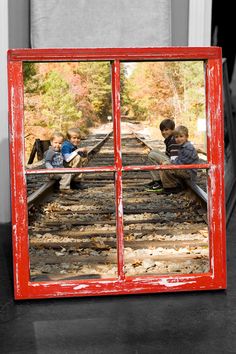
[{"x": 58, "y": 95}]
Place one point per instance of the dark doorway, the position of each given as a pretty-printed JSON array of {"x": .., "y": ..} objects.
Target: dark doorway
[{"x": 222, "y": 30}]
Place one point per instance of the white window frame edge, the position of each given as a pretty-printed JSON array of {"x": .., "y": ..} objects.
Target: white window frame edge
[{"x": 199, "y": 25}]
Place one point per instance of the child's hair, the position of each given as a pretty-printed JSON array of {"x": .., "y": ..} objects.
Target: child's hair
[
  {"x": 73, "y": 130},
  {"x": 181, "y": 129},
  {"x": 167, "y": 123},
  {"x": 56, "y": 135}
]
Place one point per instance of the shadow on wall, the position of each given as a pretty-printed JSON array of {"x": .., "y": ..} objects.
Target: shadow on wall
[
  {"x": 223, "y": 26},
  {"x": 7, "y": 308},
  {"x": 233, "y": 85},
  {"x": 4, "y": 182}
]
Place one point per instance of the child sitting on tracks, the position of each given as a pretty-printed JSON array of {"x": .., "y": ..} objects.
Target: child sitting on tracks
[
  {"x": 172, "y": 180},
  {"x": 54, "y": 158},
  {"x": 73, "y": 157},
  {"x": 167, "y": 127}
]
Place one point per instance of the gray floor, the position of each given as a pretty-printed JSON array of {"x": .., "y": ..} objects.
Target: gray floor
[{"x": 193, "y": 322}]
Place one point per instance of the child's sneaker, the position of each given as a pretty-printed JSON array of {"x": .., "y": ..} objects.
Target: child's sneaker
[
  {"x": 174, "y": 190},
  {"x": 168, "y": 191},
  {"x": 151, "y": 184},
  {"x": 155, "y": 186},
  {"x": 159, "y": 190},
  {"x": 66, "y": 191},
  {"x": 76, "y": 185}
]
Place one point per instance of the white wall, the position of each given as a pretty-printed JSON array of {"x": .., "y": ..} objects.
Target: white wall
[
  {"x": 4, "y": 164},
  {"x": 179, "y": 22},
  {"x": 19, "y": 23},
  {"x": 101, "y": 23},
  {"x": 14, "y": 33},
  {"x": 199, "y": 23}
]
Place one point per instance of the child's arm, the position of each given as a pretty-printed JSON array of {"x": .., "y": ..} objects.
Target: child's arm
[
  {"x": 69, "y": 156},
  {"x": 48, "y": 158},
  {"x": 83, "y": 152},
  {"x": 174, "y": 152},
  {"x": 187, "y": 155},
  {"x": 66, "y": 152}
]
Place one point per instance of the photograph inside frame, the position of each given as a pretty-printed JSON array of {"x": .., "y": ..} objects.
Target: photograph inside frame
[{"x": 69, "y": 123}]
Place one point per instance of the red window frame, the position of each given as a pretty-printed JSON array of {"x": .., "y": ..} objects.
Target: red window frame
[{"x": 216, "y": 277}]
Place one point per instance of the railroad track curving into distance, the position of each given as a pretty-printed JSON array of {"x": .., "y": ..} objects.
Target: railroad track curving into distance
[{"x": 74, "y": 236}]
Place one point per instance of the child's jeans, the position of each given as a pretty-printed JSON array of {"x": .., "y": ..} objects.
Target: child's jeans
[
  {"x": 77, "y": 161},
  {"x": 174, "y": 178}
]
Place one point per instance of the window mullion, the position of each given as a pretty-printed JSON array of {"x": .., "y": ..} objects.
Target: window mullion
[{"x": 118, "y": 166}]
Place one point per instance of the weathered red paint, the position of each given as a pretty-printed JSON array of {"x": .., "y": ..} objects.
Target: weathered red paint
[
  {"x": 215, "y": 144},
  {"x": 216, "y": 278},
  {"x": 111, "y": 168},
  {"x": 159, "y": 53},
  {"x": 118, "y": 165},
  {"x": 18, "y": 182}
]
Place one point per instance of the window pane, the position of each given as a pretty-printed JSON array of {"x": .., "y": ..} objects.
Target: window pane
[
  {"x": 152, "y": 92},
  {"x": 64, "y": 95},
  {"x": 73, "y": 236},
  {"x": 164, "y": 234}
]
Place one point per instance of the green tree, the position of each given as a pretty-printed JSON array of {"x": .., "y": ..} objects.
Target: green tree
[
  {"x": 31, "y": 80},
  {"x": 167, "y": 89},
  {"x": 96, "y": 77},
  {"x": 58, "y": 104}
]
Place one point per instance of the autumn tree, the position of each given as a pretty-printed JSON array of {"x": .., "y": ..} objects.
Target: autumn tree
[
  {"x": 175, "y": 89},
  {"x": 96, "y": 78},
  {"x": 58, "y": 103}
]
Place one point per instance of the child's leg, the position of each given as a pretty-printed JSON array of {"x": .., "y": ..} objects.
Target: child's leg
[
  {"x": 56, "y": 177},
  {"x": 156, "y": 158},
  {"x": 77, "y": 161},
  {"x": 65, "y": 181},
  {"x": 172, "y": 178}
]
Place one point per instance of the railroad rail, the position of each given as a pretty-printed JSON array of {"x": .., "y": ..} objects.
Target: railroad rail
[
  {"x": 47, "y": 186},
  {"x": 193, "y": 187},
  {"x": 74, "y": 236}
]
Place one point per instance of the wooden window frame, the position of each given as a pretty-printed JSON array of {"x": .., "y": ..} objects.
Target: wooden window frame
[{"x": 24, "y": 288}]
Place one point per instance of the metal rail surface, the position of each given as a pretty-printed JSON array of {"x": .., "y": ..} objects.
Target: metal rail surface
[{"x": 47, "y": 186}]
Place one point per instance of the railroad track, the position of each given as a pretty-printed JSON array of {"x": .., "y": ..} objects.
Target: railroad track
[{"x": 74, "y": 236}]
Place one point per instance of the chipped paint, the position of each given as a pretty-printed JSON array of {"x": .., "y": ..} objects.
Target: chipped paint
[
  {"x": 166, "y": 282},
  {"x": 120, "y": 208},
  {"x": 79, "y": 287}
]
